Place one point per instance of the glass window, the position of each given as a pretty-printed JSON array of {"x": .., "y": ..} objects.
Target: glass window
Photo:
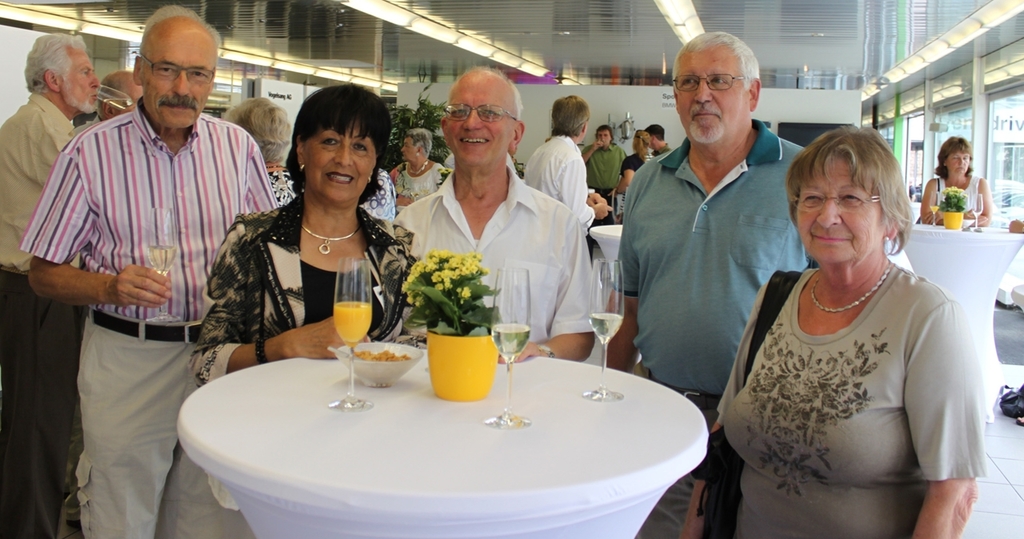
[{"x": 1006, "y": 157}]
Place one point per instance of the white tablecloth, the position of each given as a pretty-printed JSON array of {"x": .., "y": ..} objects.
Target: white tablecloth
[
  {"x": 608, "y": 237},
  {"x": 970, "y": 265},
  {"x": 418, "y": 466}
]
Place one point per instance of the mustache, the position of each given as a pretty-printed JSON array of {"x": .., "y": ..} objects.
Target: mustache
[
  {"x": 178, "y": 101},
  {"x": 704, "y": 108}
]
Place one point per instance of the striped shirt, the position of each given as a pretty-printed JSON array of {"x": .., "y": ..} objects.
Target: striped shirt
[{"x": 104, "y": 184}]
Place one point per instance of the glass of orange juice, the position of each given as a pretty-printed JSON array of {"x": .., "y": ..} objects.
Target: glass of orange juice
[{"x": 352, "y": 315}]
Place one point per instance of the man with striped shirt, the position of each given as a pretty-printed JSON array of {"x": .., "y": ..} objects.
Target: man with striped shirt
[{"x": 98, "y": 202}]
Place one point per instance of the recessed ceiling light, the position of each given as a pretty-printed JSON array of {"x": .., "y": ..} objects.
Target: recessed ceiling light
[{"x": 817, "y": 34}]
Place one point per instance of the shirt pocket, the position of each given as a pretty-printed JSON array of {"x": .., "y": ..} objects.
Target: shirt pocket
[{"x": 759, "y": 241}]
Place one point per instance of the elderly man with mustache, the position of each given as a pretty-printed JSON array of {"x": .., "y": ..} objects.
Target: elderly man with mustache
[
  {"x": 99, "y": 202},
  {"x": 706, "y": 226}
]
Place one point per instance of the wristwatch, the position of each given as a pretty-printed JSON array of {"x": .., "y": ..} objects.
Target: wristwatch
[{"x": 546, "y": 349}]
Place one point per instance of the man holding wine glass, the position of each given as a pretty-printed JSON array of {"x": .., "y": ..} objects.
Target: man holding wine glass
[
  {"x": 485, "y": 207},
  {"x": 98, "y": 203}
]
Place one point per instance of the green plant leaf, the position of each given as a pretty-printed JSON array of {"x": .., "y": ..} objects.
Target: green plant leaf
[{"x": 479, "y": 332}]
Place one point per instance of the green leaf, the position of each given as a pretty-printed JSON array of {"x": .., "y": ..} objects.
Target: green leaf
[
  {"x": 443, "y": 329},
  {"x": 479, "y": 332}
]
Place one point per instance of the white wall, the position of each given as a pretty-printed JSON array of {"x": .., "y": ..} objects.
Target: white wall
[
  {"x": 17, "y": 43},
  {"x": 654, "y": 104}
]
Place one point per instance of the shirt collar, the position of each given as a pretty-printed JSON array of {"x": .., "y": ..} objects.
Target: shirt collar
[
  {"x": 767, "y": 148},
  {"x": 142, "y": 123},
  {"x": 568, "y": 142},
  {"x": 518, "y": 191}
]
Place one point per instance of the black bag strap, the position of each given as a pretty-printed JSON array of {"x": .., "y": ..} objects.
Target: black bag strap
[{"x": 775, "y": 295}]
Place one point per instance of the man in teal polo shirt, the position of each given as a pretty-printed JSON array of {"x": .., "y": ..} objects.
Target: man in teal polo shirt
[{"x": 706, "y": 226}]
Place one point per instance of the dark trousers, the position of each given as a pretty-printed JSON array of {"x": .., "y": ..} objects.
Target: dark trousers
[{"x": 39, "y": 351}]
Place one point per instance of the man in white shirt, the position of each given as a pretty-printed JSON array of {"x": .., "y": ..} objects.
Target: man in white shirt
[
  {"x": 557, "y": 168},
  {"x": 484, "y": 208}
]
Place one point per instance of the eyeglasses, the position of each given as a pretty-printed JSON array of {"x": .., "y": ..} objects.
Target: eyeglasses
[
  {"x": 169, "y": 72},
  {"x": 815, "y": 201},
  {"x": 487, "y": 113},
  {"x": 690, "y": 83}
]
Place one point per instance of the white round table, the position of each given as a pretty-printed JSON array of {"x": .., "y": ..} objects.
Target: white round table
[
  {"x": 608, "y": 237},
  {"x": 970, "y": 265},
  {"x": 416, "y": 466}
]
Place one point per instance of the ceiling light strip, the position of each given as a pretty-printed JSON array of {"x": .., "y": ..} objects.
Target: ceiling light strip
[
  {"x": 422, "y": 25},
  {"x": 974, "y": 25},
  {"x": 682, "y": 17}
]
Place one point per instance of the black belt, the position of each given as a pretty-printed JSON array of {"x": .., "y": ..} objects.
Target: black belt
[
  {"x": 704, "y": 401},
  {"x": 147, "y": 332}
]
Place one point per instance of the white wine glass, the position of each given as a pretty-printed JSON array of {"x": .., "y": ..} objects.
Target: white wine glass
[
  {"x": 162, "y": 251},
  {"x": 933, "y": 205},
  {"x": 113, "y": 97},
  {"x": 510, "y": 330},
  {"x": 979, "y": 207},
  {"x": 606, "y": 310},
  {"x": 353, "y": 313}
]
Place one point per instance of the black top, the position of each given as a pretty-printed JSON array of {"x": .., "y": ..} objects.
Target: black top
[
  {"x": 318, "y": 296},
  {"x": 632, "y": 162}
]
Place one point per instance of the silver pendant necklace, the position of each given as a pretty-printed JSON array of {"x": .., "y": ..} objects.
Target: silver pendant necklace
[
  {"x": 817, "y": 304},
  {"x": 325, "y": 248}
]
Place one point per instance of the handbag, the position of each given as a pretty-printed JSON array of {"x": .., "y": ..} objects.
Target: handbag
[
  {"x": 1012, "y": 402},
  {"x": 722, "y": 466}
]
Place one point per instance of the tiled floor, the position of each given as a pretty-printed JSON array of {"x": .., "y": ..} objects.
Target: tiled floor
[{"x": 1000, "y": 507}]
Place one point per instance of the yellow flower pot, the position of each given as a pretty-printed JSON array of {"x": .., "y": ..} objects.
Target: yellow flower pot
[
  {"x": 461, "y": 368},
  {"x": 954, "y": 220}
]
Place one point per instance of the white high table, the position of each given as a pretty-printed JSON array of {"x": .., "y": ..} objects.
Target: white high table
[
  {"x": 416, "y": 466},
  {"x": 608, "y": 237},
  {"x": 970, "y": 265}
]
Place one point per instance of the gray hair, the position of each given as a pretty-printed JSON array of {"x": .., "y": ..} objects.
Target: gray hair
[
  {"x": 749, "y": 68},
  {"x": 268, "y": 124},
  {"x": 516, "y": 98},
  {"x": 873, "y": 168},
  {"x": 50, "y": 53},
  {"x": 172, "y": 12},
  {"x": 422, "y": 138}
]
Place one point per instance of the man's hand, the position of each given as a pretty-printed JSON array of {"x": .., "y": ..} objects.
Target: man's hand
[
  {"x": 136, "y": 285},
  {"x": 599, "y": 205}
]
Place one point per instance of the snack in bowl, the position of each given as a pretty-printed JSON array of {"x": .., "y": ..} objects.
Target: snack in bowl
[{"x": 380, "y": 364}]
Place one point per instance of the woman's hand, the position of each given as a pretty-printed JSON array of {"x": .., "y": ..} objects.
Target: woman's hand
[{"x": 309, "y": 341}]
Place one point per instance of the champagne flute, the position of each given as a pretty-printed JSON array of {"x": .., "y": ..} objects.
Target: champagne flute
[
  {"x": 511, "y": 332},
  {"x": 979, "y": 206},
  {"x": 161, "y": 253},
  {"x": 606, "y": 309},
  {"x": 113, "y": 97},
  {"x": 934, "y": 206},
  {"x": 352, "y": 315}
]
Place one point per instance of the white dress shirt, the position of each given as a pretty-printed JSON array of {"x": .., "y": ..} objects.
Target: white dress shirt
[
  {"x": 529, "y": 230},
  {"x": 557, "y": 169}
]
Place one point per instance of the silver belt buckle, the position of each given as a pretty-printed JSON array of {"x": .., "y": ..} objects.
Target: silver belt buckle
[{"x": 187, "y": 327}]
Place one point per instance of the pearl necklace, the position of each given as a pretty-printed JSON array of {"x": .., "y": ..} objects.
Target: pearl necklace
[
  {"x": 814, "y": 298},
  {"x": 325, "y": 249},
  {"x": 422, "y": 168}
]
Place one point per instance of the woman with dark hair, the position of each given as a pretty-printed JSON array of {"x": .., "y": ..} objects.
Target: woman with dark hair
[
  {"x": 955, "y": 170},
  {"x": 271, "y": 289}
]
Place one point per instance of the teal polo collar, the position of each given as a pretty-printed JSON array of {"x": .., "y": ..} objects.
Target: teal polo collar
[{"x": 767, "y": 148}]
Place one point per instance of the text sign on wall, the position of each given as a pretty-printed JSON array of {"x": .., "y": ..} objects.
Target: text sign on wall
[
  {"x": 288, "y": 95},
  {"x": 668, "y": 100}
]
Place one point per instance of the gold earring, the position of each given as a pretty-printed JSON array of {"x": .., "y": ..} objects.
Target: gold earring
[{"x": 302, "y": 167}]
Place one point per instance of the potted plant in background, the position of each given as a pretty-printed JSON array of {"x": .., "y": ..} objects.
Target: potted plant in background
[
  {"x": 403, "y": 118},
  {"x": 953, "y": 206},
  {"x": 447, "y": 294}
]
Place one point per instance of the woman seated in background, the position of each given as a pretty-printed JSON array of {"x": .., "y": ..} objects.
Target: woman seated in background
[
  {"x": 955, "y": 170},
  {"x": 418, "y": 176},
  {"x": 271, "y": 290},
  {"x": 863, "y": 415},
  {"x": 641, "y": 153},
  {"x": 267, "y": 123}
]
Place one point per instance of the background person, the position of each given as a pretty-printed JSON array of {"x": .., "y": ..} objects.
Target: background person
[
  {"x": 280, "y": 259},
  {"x": 268, "y": 124},
  {"x": 418, "y": 176},
  {"x": 39, "y": 336},
  {"x": 641, "y": 146},
  {"x": 863, "y": 415},
  {"x": 955, "y": 170},
  {"x": 658, "y": 144}
]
